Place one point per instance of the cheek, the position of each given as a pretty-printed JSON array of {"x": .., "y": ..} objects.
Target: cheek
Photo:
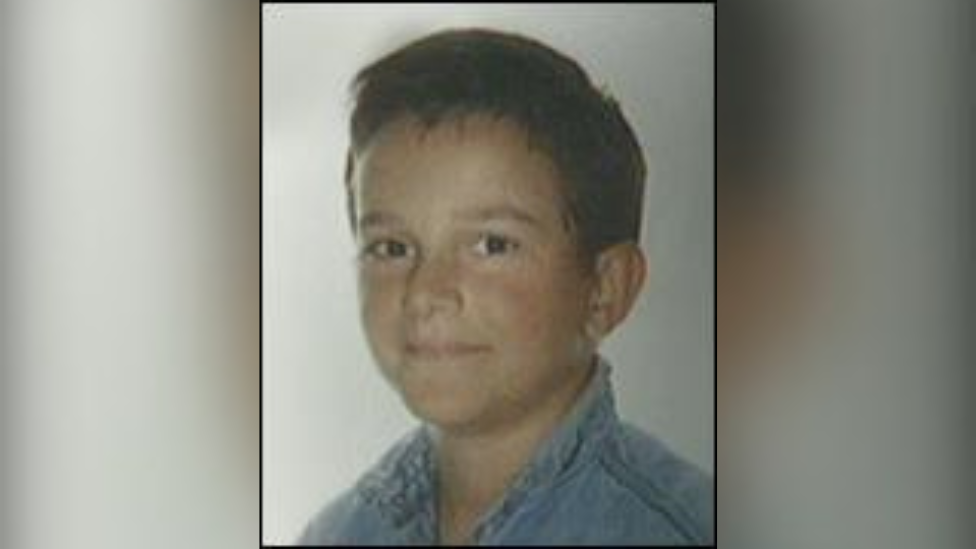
[
  {"x": 379, "y": 299},
  {"x": 531, "y": 307}
]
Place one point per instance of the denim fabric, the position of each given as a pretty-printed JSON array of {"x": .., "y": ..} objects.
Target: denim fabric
[{"x": 597, "y": 480}]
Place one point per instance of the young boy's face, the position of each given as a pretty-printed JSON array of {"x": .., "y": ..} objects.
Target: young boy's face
[{"x": 472, "y": 294}]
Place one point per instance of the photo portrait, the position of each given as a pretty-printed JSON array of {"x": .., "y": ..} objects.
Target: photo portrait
[{"x": 488, "y": 274}]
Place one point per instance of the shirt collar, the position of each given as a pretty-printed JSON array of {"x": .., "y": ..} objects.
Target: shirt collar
[
  {"x": 402, "y": 486},
  {"x": 574, "y": 442}
]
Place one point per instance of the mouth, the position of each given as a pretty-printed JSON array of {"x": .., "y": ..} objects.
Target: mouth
[{"x": 443, "y": 350}]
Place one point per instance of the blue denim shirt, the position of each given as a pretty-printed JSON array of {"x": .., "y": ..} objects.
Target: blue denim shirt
[{"x": 597, "y": 480}]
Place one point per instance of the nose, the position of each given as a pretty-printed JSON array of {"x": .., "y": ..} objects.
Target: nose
[{"x": 432, "y": 288}]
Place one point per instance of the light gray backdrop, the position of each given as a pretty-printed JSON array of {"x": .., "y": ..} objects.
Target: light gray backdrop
[{"x": 327, "y": 414}]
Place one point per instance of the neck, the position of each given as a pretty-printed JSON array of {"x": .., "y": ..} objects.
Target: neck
[{"x": 476, "y": 468}]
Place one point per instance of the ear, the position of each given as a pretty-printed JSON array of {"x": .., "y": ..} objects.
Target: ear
[{"x": 619, "y": 276}]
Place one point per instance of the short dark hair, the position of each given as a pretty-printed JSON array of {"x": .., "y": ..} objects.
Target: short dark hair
[{"x": 458, "y": 73}]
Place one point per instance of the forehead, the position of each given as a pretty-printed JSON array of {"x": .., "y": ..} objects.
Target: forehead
[{"x": 470, "y": 163}]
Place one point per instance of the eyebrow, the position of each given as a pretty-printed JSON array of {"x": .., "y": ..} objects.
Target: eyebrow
[
  {"x": 501, "y": 212},
  {"x": 379, "y": 219}
]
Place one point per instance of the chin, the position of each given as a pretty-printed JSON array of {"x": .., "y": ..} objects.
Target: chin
[
  {"x": 444, "y": 393},
  {"x": 445, "y": 409}
]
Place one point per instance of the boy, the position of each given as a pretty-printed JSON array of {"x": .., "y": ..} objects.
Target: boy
[{"x": 496, "y": 197}]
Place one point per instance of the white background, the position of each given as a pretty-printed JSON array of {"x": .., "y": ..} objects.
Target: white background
[{"x": 327, "y": 415}]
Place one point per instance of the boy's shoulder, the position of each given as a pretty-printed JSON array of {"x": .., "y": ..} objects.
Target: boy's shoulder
[{"x": 664, "y": 482}]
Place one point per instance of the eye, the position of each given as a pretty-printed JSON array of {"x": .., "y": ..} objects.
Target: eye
[
  {"x": 493, "y": 244},
  {"x": 387, "y": 249}
]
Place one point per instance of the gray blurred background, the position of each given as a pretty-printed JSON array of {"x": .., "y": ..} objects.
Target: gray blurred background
[
  {"x": 852, "y": 423},
  {"x": 327, "y": 413},
  {"x": 130, "y": 274}
]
